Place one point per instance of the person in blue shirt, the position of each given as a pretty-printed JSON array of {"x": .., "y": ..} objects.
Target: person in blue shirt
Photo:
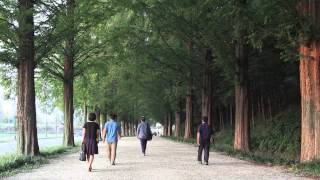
[{"x": 111, "y": 135}]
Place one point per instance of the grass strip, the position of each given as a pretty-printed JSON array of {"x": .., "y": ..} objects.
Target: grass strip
[
  {"x": 305, "y": 169},
  {"x": 11, "y": 164}
]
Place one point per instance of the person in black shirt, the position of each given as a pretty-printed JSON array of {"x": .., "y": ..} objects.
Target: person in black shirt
[
  {"x": 204, "y": 133},
  {"x": 90, "y": 134}
]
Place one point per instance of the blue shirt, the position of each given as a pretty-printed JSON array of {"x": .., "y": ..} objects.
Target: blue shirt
[{"x": 112, "y": 128}]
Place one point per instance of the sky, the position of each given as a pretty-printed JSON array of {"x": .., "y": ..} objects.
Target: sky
[
  {"x": 7, "y": 107},
  {"x": 8, "y": 110}
]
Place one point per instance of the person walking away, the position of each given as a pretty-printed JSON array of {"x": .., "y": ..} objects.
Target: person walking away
[
  {"x": 111, "y": 134},
  {"x": 90, "y": 134},
  {"x": 143, "y": 131},
  {"x": 204, "y": 133}
]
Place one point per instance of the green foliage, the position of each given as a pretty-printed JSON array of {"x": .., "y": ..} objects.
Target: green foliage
[
  {"x": 275, "y": 140},
  {"x": 279, "y": 135},
  {"x": 11, "y": 164},
  {"x": 311, "y": 169},
  {"x": 181, "y": 139}
]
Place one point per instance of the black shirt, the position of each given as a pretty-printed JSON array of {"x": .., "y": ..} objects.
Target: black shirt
[
  {"x": 205, "y": 133},
  {"x": 91, "y": 130}
]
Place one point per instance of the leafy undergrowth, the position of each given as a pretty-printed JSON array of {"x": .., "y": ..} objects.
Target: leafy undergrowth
[
  {"x": 11, "y": 164},
  {"x": 275, "y": 141}
]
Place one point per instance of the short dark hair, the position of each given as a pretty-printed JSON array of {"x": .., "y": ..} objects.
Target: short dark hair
[
  {"x": 113, "y": 116},
  {"x": 92, "y": 117},
  {"x": 205, "y": 119},
  {"x": 143, "y": 118}
]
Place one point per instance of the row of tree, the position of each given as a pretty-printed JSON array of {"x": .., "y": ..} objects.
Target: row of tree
[{"x": 174, "y": 61}]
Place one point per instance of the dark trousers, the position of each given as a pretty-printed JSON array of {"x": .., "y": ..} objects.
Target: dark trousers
[
  {"x": 143, "y": 145},
  {"x": 204, "y": 147}
]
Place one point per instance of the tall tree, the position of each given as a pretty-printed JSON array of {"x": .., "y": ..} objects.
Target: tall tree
[
  {"x": 242, "y": 123},
  {"x": 188, "y": 121},
  {"x": 26, "y": 109},
  {"x": 206, "y": 108},
  {"x": 68, "y": 138},
  {"x": 310, "y": 83}
]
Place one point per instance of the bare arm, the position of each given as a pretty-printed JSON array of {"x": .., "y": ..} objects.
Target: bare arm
[
  {"x": 104, "y": 132},
  {"x": 98, "y": 133},
  {"x": 119, "y": 135}
]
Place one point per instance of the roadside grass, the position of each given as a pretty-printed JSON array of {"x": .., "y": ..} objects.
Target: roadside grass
[
  {"x": 274, "y": 142},
  {"x": 11, "y": 164},
  {"x": 308, "y": 169}
]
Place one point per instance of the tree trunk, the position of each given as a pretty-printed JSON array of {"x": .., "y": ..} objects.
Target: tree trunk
[
  {"x": 178, "y": 118},
  {"x": 310, "y": 102},
  {"x": 169, "y": 125},
  {"x": 188, "y": 121},
  {"x": 103, "y": 120},
  {"x": 68, "y": 139},
  {"x": 127, "y": 129},
  {"x": 85, "y": 109},
  {"x": 242, "y": 123},
  {"x": 207, "y": 88},
  {"x": 97, "y": 112},
  {"x": 27, "y": 140},
  {"x": 165, "y": 126},
  {"x": 68, "y": 136},
  {"x": 122, "y": 128},
  {"x": 310, "y": 87},
  {"x": 231, "y": 115},
  {"x": 130, "y": 129}
]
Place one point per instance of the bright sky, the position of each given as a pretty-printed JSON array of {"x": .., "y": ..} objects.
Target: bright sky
[{"x": 8, "y": 107}]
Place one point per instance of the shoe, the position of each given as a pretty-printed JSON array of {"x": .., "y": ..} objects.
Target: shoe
[
  {"x": 206, "y": 163},
  {"x": 113, "y": 164},
  {"x": 199, "y": 162}
]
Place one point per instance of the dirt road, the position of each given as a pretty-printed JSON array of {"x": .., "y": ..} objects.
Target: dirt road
[{"x": 165, "y": 160}]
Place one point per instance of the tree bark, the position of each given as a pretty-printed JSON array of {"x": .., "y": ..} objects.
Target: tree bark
[
  {"x": 169, "y": 125},
  {"x": 27, "y": 140},
  {"x": 122, "y": 128},
  {"x": 188, "y": 121},
  {"x": 68, "y": 136},
  {"x": 178, "y": 117},
  {"x": 310, "y": 102},
  {"x": 165, "y": 126},
  {"x": 206, "y": 106},
  {"x": 97, "y": 112},
  {"x": 310, "y": 87},
  {"x": 242, "y": 123},
  {"x": 129, "y": 127},
  {"x": 103, "y": 120},
  {"x": 231, "y": 115},
  {"x": 68, "y": 139},
  {"x": 85, "y": 109}
]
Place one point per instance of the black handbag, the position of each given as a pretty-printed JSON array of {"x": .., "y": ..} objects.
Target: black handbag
[
  {"x": 82, "y": 156},
  {"x": 149, "y": 133}
]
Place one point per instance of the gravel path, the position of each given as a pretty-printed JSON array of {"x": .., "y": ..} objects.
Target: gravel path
[{"x": 165, "y": 160}]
